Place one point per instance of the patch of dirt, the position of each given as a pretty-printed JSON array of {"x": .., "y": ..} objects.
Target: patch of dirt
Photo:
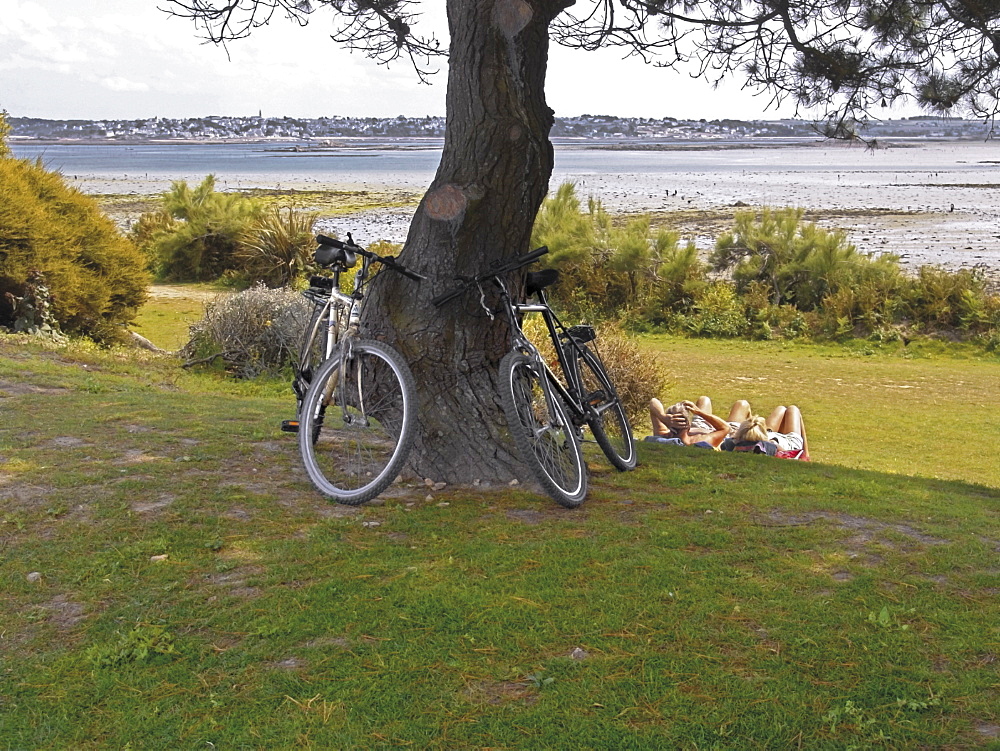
[
  {"x": 138, "y": 456},
  {"x": 496, "y": 693},
  {"x": 988, "y": 729},
  {"x": 12, "y": 388},
  {"x": 151, "y": 506},
  {"x": 183, "y": 292},
  {"x": 68, "y": 442},
  {"x": 289, "y": 663},
  {"x": 235, "y": 582},
  {"x": 528, "y": 516},
  {"x": 867, "y": 528},
  {"x": 63, "y": 612},
  {"x": 337, "y": 511},
  {"x": 341, "y": 642},
  {"x": 272, "y": 446},
  {"x": 27, "y": 496}
]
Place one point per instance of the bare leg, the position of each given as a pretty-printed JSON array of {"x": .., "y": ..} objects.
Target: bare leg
[
  {"x": 704, "y": 404},
  {"x": 740, "y": 411},
  {"x": 658, "y": 416},
  {"x": 775, "y": 419},
  {"x": 792, "y": 422}
]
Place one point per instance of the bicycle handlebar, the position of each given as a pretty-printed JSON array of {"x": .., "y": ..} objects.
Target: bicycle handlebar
[
  {"x": 389, "y": 261},
  {"x": 503, "y": 267}
]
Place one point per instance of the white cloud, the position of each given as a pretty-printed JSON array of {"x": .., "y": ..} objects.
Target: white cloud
[{"x": 119, "y": 83}]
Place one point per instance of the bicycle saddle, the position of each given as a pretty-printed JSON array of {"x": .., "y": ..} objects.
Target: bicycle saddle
[{"x": 327, "y": 255}]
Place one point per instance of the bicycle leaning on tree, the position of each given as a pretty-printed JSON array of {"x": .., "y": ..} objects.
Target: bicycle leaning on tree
[
  {"x": 355, "y": 398},
  {"x": 546, "y": 413}
]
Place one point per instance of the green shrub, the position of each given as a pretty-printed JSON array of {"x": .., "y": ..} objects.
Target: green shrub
[
  {"x": 717, "y": 311},
  {"x": 195, "y": 237},
  {"x": 5, "y": 130},
  {"x": 776, "y": 275},
  {"x": 609, "y": 268},
  {"x": 949, "y": 299},
  {"x": 97, "y": 278},
  {"x": 638, "y": 374},
  {"x": 202, "y": 235}
]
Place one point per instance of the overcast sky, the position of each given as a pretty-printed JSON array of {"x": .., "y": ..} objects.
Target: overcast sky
[{"x": 96, "y": 59}]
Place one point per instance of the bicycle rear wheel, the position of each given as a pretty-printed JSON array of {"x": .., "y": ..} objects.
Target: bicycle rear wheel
[
  {"x": 542, "y": 431},
  {"x": 605, "y": 413},
  {"x": 356, "y": 424}
]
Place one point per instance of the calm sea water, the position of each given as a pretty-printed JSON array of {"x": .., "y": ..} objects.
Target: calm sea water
[{"x": 417, "y": 162}]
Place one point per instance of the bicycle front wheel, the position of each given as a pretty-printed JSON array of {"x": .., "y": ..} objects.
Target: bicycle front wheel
[
  {"x": 542, "y": 430},
  {"x": 605, "y": 413},
  {"x": 356, "y": 425}
]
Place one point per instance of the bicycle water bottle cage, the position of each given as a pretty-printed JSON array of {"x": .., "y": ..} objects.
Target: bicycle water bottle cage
[
  {"x": 330, "y": 257},
  {"x": 536, "y": 281},
  {"x": 582, "y": 334}
]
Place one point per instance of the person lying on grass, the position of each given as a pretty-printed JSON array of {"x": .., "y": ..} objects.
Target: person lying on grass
[
  {"x": 689, "y": 424},
  {"x": 781, "y": 434}
]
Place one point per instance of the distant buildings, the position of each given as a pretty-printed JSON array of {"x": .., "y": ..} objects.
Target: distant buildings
[{"x": 215, "y": 127}]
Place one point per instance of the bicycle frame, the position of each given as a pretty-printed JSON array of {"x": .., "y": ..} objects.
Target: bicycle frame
[
  {"x": 338, "y": 316},
  {"x": 572, "y": 392}
]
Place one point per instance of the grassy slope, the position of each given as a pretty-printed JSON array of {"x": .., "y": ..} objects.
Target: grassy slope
[{"x": 704, "y": 600}]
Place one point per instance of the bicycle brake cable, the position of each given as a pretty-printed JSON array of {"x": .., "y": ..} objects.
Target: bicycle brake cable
[{"x": 482, "y": 301}]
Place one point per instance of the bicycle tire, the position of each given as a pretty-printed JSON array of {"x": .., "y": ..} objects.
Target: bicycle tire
[
  {"x": 353, "y": 460},
  {"x": 605, "y": 413},
  {"x": 549, "y": 447}
]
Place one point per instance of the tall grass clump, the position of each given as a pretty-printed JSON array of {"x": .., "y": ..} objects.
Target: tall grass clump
[
  {"x": 277, "y": 247},
  {"x": 60, "y": 255}
]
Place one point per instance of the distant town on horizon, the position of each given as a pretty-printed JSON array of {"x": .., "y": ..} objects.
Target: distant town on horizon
[{"x": 216, "y": 127}]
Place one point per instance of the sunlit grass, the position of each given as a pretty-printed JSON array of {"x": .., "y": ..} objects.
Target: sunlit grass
[{"x": 171, "y": 579}]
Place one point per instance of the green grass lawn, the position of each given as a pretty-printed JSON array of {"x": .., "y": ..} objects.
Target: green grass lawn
[
  {"x": 169, "y": 579},
  {"x": 171, "y": 309}
]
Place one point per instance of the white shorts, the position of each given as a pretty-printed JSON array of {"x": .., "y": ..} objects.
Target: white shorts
[{"x": 786, "y": 441}]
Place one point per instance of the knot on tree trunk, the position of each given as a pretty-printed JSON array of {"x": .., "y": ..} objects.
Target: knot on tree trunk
[
  {"x": 511, "y": 16},
  {"x": 447, "y": 203}
]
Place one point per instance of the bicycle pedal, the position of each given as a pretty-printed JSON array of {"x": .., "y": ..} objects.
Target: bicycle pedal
[
  {"x": 289, "y": 426},
  {"x": 595, "y": 398}
]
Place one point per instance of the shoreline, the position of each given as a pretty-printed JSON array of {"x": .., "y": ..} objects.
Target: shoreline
[{"x": 598, "y": 143}]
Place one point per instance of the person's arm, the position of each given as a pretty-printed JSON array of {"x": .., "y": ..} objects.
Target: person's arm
[{"x": 720, "y": 429}]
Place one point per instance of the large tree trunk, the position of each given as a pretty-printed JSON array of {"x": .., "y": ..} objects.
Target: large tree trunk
[{"x": 493, "y": 175}]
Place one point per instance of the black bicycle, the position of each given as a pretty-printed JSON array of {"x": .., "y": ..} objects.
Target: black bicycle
[
  {"x": 545, "y": 413},
  {"x": 355, "y": 398}
]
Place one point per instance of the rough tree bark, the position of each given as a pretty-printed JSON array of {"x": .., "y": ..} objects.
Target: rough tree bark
[{"x": 493, "y": 176}]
